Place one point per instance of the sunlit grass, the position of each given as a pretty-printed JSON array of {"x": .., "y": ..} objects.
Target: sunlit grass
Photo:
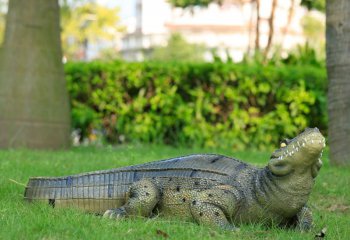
[{"x": 330, "y": 199}]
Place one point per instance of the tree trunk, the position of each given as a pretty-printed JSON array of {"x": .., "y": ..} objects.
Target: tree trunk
[
  {"x": 250, "y": 27},
  {"x": 338, "y": 66},
  {"x": 289, "y": 21},
  {"x": 34, "y": 106},
  {"x": 257, "y": 26},
  {"x": 271, "y": 27}
]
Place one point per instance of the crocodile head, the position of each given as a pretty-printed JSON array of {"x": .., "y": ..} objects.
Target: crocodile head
[{"x": 301, "y": 154}]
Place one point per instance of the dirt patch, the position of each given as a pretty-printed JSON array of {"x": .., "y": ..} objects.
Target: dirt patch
[{"x": 338, "y": 208}]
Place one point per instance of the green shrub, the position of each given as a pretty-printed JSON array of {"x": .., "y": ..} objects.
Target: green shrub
[{"x": 202, "y": 104}]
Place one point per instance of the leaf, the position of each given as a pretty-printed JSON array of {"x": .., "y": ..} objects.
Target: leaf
[{"x": 162, "y": 233}]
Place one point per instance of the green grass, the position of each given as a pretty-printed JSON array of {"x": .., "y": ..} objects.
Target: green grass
[{"x": 330, "y": 199}]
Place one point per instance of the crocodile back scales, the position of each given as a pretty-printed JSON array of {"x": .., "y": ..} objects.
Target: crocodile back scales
[{"x": 101, "y": 190}]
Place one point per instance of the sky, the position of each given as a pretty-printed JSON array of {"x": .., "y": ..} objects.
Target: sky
[{"x": 126, "y": 6}]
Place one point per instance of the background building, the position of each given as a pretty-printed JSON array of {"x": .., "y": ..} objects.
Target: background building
[{"x": 229, "y": 28}]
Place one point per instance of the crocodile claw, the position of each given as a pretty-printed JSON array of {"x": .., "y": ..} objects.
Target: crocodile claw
[
  {"x": 115, "y": 213},
  {"x": 229, "y": 227}
]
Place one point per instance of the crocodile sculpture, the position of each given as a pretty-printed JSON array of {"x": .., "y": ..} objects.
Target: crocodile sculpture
[{"x": 208, "y": 188}]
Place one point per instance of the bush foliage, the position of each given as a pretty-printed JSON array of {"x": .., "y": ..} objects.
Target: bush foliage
[{"x": 202, "y": 104}]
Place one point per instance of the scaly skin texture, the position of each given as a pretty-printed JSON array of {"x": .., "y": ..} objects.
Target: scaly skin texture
[{"x": 207, "y": 188}]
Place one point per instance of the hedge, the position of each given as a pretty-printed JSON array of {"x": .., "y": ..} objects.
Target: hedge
[{"x": 196, "y": 104}]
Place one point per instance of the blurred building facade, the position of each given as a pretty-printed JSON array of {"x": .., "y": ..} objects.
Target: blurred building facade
[{"x": 229, "y": 28}]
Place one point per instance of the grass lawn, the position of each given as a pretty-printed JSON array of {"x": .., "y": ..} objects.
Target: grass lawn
[{"x": 330, "y": 199}]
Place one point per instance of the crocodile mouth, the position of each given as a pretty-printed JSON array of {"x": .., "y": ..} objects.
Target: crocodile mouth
[{"x": 311, "y": 140}]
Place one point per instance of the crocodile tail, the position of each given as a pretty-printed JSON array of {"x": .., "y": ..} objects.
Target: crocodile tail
[
  {"x": 91, "y": 192},
  {"x": 43, "y": 189}
]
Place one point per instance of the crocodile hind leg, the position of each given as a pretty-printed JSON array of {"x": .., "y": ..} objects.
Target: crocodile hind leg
[
  {"x": 215, "y": 206},
  {"x": 143, "y": 197}
]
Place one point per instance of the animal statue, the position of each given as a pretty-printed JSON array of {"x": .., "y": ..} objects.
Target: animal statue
[{"x": 207, "y": 188}]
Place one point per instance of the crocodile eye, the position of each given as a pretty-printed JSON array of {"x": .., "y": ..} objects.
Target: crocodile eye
[{"x": 284, "y": 143}]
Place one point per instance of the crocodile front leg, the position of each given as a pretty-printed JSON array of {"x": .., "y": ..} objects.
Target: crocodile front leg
[
  {"x": 143, "y": 197},
  {"x": 304, "y": 219},
  {"x": 215, "y": 206}
]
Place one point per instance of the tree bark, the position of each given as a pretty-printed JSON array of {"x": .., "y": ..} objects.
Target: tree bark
[
  {"x": 338, "y": 66},
  {"x": 34, "y": 106}
]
